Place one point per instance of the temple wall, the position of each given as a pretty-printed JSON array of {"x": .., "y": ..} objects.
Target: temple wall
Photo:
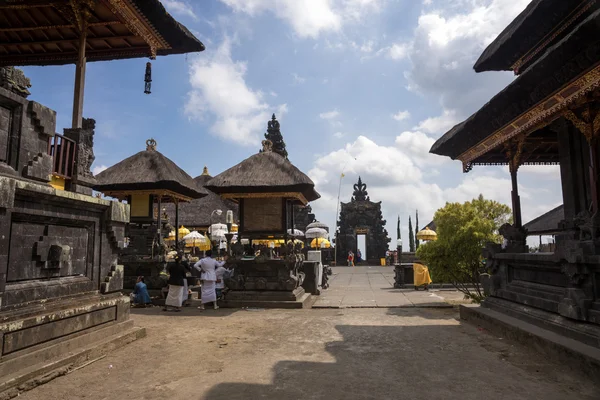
[{"x": 53, "y": 243}]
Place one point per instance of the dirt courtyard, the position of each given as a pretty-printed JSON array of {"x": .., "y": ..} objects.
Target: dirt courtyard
[{"x": 378, "y": 354}]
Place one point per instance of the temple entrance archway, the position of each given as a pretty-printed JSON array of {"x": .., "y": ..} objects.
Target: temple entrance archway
[{"x": 361, "y": 218}]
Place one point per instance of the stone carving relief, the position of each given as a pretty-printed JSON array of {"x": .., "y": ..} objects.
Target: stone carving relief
[{"x": 14, "y": 79}]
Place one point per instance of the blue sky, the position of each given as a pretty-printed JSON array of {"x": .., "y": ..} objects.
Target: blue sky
[{"x": 373, "y": 80}]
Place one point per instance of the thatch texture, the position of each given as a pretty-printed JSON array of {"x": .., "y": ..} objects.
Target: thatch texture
[
  {"x": 525, "y": 32},
  {"x": 263, "y": 173},
  {"x": 572, "y": 56},
  {"x": 546, "y": 224},
  {"x": 148, "y": 170}
]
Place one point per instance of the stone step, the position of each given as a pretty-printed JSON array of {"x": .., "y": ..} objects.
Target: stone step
[{"x": 61, "y": 358}]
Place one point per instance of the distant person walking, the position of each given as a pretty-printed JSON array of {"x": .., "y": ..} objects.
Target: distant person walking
[
  {"x": 350, "y": 259},
  {"x": 208, "y": 266},
  {"x": 358, "y": 256}
]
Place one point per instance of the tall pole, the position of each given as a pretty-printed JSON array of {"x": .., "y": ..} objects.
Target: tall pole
[{"x": 79, "y": 79}]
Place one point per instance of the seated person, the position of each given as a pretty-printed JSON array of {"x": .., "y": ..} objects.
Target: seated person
[{"x": 140, "y": 294}]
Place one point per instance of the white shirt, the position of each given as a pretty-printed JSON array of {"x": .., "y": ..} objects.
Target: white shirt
[
  {"x": 207, "y": 267},
  {"x": 220, "y": 272}
]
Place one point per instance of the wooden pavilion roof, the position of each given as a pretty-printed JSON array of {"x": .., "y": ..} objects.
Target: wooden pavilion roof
[
  {"x": 46, "y": 32},
  {"x": 565, "y": 74}
]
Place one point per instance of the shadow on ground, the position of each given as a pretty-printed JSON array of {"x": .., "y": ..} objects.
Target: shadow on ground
[
  {"x": 185, "y": 312},
  {"x": 412, "y": 362}
]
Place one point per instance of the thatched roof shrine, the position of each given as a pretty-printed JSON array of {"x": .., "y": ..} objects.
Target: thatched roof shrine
[
  {"x": 265, "y": 172},
  {"x": 546, "y": 224},
  {"x": 530, "y": 33},
  {"x": 47, "y": 32},
  {"x": 197, "y": 213},
  {"x": 148, "y": 171},
  {"x": 541, "y": 94}
]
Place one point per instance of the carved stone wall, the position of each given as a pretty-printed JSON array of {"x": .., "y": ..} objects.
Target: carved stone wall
[{"x": 54, "y": 243}]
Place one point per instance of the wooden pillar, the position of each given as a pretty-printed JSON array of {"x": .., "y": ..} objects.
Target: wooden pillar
[
  {"x": 516, "y": 200},
  {"x": 159, "y": 220},
  {"x": 79, "y": 80},
  {"x": 176, "y": 223},
  {"x": 594, "y": 168}
]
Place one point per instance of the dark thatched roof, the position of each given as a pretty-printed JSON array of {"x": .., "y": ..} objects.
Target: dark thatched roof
[
  {"x": 567, "y": 60},
  {"x": 546, "y": 224},
  {"x": 432, "y": 225},
  {"x": 528, "y": 30},
  {"x": 197, "y": 213},
  {"x": 41, "y": 33},
  {"x": 148, "y": 170},
  {"x": 263, "y": 173}
]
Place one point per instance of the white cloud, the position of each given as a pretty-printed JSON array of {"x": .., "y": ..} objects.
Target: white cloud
[
  {"x": 398, "y": 51},
  {"x": 310, "y": 18},
  {"x": 298, "y": 79},
  {"x": 403, "y": 177},
  {"x": 329, "y": 114},
  {"x": 219, "y": 89},
  {"x": 440, "y": 124},
  {"x": 339, "y": 135},
  {"x": 179, "y": 7},
  {"x": 98, "y": 168},
  {"x": 401, "y": 115}
]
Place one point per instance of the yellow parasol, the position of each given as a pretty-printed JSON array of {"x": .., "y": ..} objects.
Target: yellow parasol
[
  {"x": 320, "y": 242},
  {"x": 426, "y": 235},
  {"x": 182, "y": 231}
]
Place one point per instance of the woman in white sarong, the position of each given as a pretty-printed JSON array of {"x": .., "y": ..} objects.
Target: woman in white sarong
[
  {"x": 207, "y": 267},
  {"x": 176, "y": 284}
]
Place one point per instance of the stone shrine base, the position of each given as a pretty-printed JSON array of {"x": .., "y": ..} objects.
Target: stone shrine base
[
  {"x": 559, "y": 339},
  {"x": 43, "y": 341},
  {"x": 298, "y": 298}
]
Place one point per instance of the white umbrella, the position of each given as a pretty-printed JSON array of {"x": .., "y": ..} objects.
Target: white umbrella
[
  {"x": 313, "y": 233},
  {"x": 295, "y": 232},
  {"x": 194, "y": 235},
  {"x": 217, "y": 232}
]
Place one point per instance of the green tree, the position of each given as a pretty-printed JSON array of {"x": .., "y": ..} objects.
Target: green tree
[
  {"x": 462, "y": 231},
  {"x": 411, "y": 236},
  {"x": 417, "y": 231},
  {"x": 398, "y": 232}
]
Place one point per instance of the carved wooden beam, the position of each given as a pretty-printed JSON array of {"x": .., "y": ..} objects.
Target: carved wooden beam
[
  {"x": 585, "y": 116},
  {"x": 64, "y": 26}
]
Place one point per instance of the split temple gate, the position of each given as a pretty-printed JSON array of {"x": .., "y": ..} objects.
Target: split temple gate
[
  {"x": 59, "y": 271},
  {"x": 550, "y": 114},
  {"x": 362, "y": 217}
]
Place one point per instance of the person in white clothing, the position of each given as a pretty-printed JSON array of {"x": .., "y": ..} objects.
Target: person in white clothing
[
  {"x": 220, "y": 285},
  {"x": 208, "y": 266}
]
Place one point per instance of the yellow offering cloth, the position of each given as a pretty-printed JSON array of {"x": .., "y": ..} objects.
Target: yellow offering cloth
[{"x": 421, "y": 274}]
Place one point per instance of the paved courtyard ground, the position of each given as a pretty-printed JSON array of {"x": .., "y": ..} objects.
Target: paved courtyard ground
[
  {"x": 347, "y": 353},
  {"x": 374, "y": 287}
]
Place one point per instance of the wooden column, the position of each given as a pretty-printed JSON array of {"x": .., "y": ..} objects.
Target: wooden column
[
  {"x": 176, "y": 223},
  {"x": 159, "y": 220},
  {"x": 585, "y": 117},
  {"x": 514, "y": 150},
  {"x": 79, "y": 79},
  {"x": 516, "y": 199}
]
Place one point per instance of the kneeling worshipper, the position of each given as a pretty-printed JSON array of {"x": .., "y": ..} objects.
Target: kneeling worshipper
[
  {"x": 140, "y": 296},
  {"x": 421, "y": 275},
  {"x": 176, "y": 284},
  {"x": 207, "y": 266}
]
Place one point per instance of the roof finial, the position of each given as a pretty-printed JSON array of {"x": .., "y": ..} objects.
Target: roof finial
[
  {"x": 267, "y": 146},
  {"x": 273, "y": 117},
  {"x": 205, "y": 171},
  {"x": 150, "y": 145}
]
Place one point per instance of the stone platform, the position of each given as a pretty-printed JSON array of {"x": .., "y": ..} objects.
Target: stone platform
[
  {"x": 267, "y": 299},
  {"x": 561, "y": 340},
  {"x": 49, "y": 339}
]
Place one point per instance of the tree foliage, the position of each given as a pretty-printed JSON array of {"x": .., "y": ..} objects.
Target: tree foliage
[
  {"x": 411, "y": 236},
  {"x": 462, "y": 231}
]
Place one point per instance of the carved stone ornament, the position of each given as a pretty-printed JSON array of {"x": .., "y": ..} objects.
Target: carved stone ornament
[
  {"x": 360, "y": 191},
  {"x": 577, "y": 273},
  {"x": 267, "y": 146},
  {"x": 14, "y": 79},
  {"x": 516, "y": 238},
  {"x": 151, "y": 145}
]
